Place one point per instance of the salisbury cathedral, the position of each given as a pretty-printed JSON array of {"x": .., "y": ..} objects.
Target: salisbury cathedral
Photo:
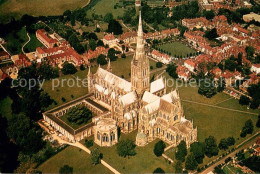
[{"x": 120, "y": 105}]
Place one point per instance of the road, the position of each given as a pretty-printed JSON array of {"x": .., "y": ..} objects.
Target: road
[
  {"x": 5, "y": 49},
  {"x": 26, "y": 42},
  {"x": 211, "y": 168}
]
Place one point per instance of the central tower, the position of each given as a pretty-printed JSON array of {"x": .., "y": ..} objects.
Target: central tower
[{"x": 140, "y": 68}]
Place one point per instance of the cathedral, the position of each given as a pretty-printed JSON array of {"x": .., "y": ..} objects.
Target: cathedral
[{"x": 139, "y": 104}]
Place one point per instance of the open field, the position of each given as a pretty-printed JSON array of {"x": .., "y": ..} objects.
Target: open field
[
  {"x": 74, "y": 157},
  {"x": 106, "y": 6},
  {"x": 18, "y": 8},
  {"x": 143, "y": 162},
  {"x": 177, "y": 48},
  {"x": 5, "y": 107}
]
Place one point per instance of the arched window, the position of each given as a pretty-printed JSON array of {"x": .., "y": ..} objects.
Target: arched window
[
  {"x": 98, "y": 136},
  {"x": 105, "y": 137},
  {"x": 176, "y": 118}
]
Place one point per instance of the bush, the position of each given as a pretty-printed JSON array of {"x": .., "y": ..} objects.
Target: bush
[
  {"x": 66, "y": 169},
  {"x": 88, "y": 143},
  {"x": 123, "y": 55},
  {"x": 63, "y": 99},
  {"x": 244, "y": 100},
  {"x": 159, "y": 148},
  {"x": 158, "y": 170},
  {"x": 159, "y": 64},
  {"x": 68, "y": 68},
  {"x": 82, "y": 68}
]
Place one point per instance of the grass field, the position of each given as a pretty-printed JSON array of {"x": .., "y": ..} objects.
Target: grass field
[
  {"x": 18, "y": 8},
  {"x": 5, "y": 107},
  {"x": 143, "y": 162},
  {"x": 33, "y": 44},
  {"x": 177, "y": 48},
  {"x": 74, "y": 157},
  {"x": 106, "y": 6}
]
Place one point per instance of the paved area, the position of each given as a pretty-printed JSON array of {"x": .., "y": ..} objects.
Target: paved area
[{"x": 29, "y": 39}]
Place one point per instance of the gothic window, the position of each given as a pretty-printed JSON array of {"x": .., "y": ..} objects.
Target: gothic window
[
  {"x": 176, "y": 118},
  {"x": 98, "y": 136},
  {"x": 105, "y": 137}
]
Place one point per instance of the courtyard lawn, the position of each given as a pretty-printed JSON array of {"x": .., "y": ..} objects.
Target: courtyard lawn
[
  {"x": 63, "y": 87},
  {"x": 103, "y": 7},
  {"x": 73, "y": 125},
  {"x": 5, "y": 107},
  {"x": 177, "y": 48},
  {"x": 143, "y": 162},
  {"x": 74, "y": 157},
  {"x": 33, "y": 44},
  {"x": 15, "y": 41},
  {"x": 38, "y": 7}
]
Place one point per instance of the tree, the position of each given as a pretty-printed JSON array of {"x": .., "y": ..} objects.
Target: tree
[
  {"x": 248, "y": 128},
  {"x": 171, "y": 70},
  {"x": 114, "y": 27},
  {"x": 181, "y": 152},
  {"x": 100, "y": 43},
  {"x": 198, "y": 150},
  {"x": 92, "y": 44},
  {"x": 191, "y": 163},
  {"x": 221, "y": 84},
  {"x": 159, "y": 148},
  {"x": 159, "y": 64},
  {"x": 108, "y": 17},
  {"x": 101, "y": 60},
  {"x": 81, "y": 67},
  {"x": 244, "y": 100},
  {"x": 66, "y": 169},
  {"x": 95, "y": 156},
  {"x": 231, "y": 141},
  {"x": 79, "y": 114},
  {"x": 126, "y": 148},
  {"x": 68, "y": 68},
  {"x": 211, "y": 148},
  {"x": 258, "y": 121},
  {"x": 212, "y": 34},
  {"x": 230, "y": 64},
  {"x": 8, "y": 152},
  {"x": 209, "y": 14},
  {"x": 218, "y": 170},
  {"x": 123, "y": 56},
  {"x": 112, "y": 54},
  {"x": 178, "y": 167},
  {"x": 223, "y": 144},
  {"x": 158, "y": 170},
  {"x": 207, "y": 88},
  {"x": 249, "y": 52}
]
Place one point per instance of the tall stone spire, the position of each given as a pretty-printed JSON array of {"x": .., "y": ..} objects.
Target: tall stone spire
[
  {"x": 109, "y": 67},
  {"x": 140, "y": 68},
  {"x": 140, "y": 52}
]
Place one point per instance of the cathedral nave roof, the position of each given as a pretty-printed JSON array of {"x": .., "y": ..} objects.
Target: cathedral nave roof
[
  {"x": 157, "y": 85},
  {"x": 149, "y": 97},
  {"x": 114, "y": 80},
  {"x": 128, "y": 98}
]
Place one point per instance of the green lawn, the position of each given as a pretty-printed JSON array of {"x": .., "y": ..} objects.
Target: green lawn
[
  {"x": 143, "y": 162},
  {"x": 5, "y": 107},
  {"x": 106, "y": 6},
  {"x": 228, "y": 169},
  {"x": 72, "y": 124},
  {"x": 15, "y": 41},
  {"x": 38, "y": 7},
  {"x": 33, "y": 44},
  {"x": 74, "y": 157},
  {"x": 177, "y": 48},
  {"x": 60, "y": 87}
]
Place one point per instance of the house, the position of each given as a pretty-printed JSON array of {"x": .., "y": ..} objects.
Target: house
[
  {"x": 44, "y": 38},
  {"x": 255, "y": 68},
  {"x": 183, "y": 73},
  {"x": 251, "y": 16},
  {"x": 190, "y": 65},
  {"x": 109, "y": 39},
  {"x": 164, "y": 58},
  {"x": 94, "y": 54},
  {"x": 4, "y": 56}
]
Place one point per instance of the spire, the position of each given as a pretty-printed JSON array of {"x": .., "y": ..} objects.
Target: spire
[
  {"x": 140, "y": 40},
  {"x": 140, "y": 26}
]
